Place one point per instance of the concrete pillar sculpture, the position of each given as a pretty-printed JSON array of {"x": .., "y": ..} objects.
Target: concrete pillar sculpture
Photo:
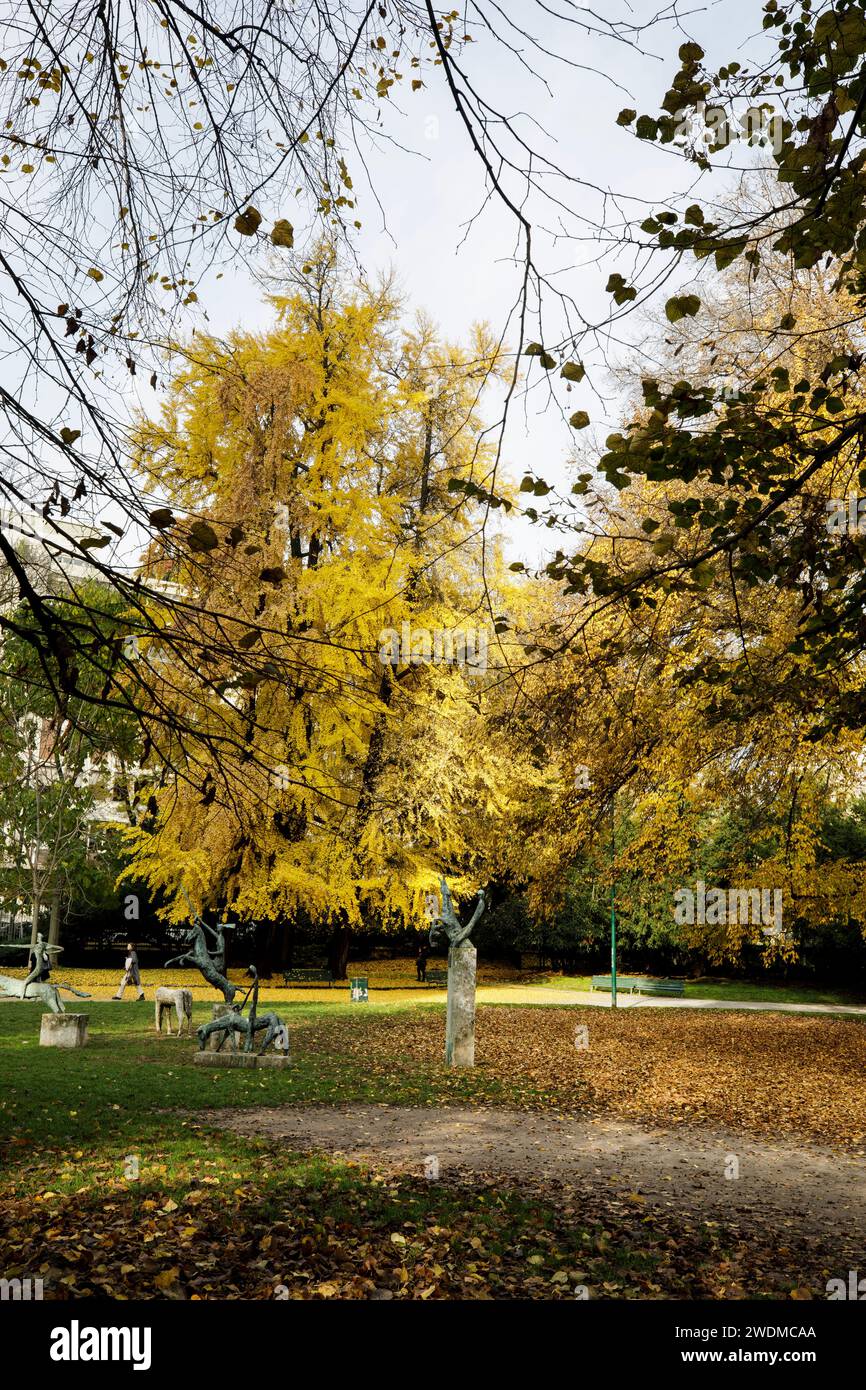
[{"x": 460, "y": 1010}]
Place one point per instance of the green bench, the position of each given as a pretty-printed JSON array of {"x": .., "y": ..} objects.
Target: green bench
[
  {"x": 638, "y": 984},
  {"x": 436, "y": 977},
  {"x": 308, "y": 977},
  {"x": 673, "y": 988},
  {"x": 625, "y": 984}
]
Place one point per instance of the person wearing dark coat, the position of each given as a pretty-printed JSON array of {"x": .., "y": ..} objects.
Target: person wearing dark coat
[
  {"x": 130, "y": 973},
  {"x": 421, "y": 962}
]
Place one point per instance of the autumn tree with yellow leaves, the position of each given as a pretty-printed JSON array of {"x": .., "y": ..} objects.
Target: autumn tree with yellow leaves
[
  {"x": 716, "y": 735},
  {"x": 319, "y": 461}
]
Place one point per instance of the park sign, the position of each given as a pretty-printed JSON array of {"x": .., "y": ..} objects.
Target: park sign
[{"x": 358, "y": 990}]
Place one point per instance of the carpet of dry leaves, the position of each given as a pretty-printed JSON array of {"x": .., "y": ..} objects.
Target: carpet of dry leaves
[
  {"x": 481, "y": 1240},
  {"x": 243, "y": 1219},
  {"x": 397, "y": 977},
  {"x": 763, "y": 1074}
]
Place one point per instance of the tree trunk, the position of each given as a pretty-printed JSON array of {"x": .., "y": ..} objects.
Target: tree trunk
[
  {"x": 54, "y": 921},
  {"x": 266, "y": 951},
  {"x": 338, "y": 952},
  {"x": 274, "y": 948},
  {"x": 287, "y": 940},
  {"x": 34, "y": 921}
]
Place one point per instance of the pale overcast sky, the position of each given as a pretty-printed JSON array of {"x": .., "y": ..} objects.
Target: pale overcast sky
[{"x": 430, "y": 190}]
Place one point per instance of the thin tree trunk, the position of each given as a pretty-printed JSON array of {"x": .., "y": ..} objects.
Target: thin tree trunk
[
  {"x": 54, "y": 921},
  {"x": 387, "y": 683},
  {"x": 287, "y": 940},
  {"x": 265, "y": 952},
  {"x": 338, "y": 952},
  {"x": 34, "y": 920}
]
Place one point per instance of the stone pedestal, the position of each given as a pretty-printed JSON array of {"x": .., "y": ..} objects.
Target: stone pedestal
[
  {"x": 460, "y": 1013},
  {"x": 276, "y": 1060},
  {"x": 213, "y": 1042},
  {"x": 63, "y": 1030}
]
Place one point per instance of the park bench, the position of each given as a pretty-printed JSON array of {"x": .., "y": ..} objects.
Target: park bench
[
  {"x": 638, "y": 984},
  {"x": 437, "y": 977},
  {"x": 673, "y": 988},
  {"x": 308, "y": 977},
  {"x": 625, "y": 984}
]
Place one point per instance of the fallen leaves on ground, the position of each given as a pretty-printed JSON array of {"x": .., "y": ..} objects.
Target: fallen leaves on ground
[
  {"x": 766, "y": 1074},
  {"x": 385, "y": 974},
  {"x": 381, "y": 1236}
]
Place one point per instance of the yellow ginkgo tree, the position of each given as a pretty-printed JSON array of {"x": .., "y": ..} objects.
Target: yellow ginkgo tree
[{"x": 339, "y": 473}]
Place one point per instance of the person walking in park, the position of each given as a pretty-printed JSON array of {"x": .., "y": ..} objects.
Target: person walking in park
[
  {"x": 421, "y": 961},
  {"x": 130, "y": 973}
]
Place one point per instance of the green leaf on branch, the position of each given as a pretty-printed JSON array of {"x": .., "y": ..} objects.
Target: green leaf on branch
[
  {"x": 728, "y": 252},
  {"x": 619, "y": 480},
  {"x": 682, "y": 306},
  {"x": 573, "y": 371},
  {"x": 621, "y": 292},
  {"x": 647, "y": 128},
  {"x": 547, "y": 361},
  {"x": 202, "y": 537}
]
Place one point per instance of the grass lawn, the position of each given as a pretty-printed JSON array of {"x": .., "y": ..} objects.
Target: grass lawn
[
  {"x": 747, "y": 990},
  {"x": 212, "y": 1215},
  {"x": 216, "y": 1215}
]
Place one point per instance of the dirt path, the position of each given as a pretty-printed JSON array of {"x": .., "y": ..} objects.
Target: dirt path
[{"x": 801, "y": 1190}]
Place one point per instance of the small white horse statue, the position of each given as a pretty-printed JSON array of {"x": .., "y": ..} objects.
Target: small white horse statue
[{"x": 180, "y": 1000}]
